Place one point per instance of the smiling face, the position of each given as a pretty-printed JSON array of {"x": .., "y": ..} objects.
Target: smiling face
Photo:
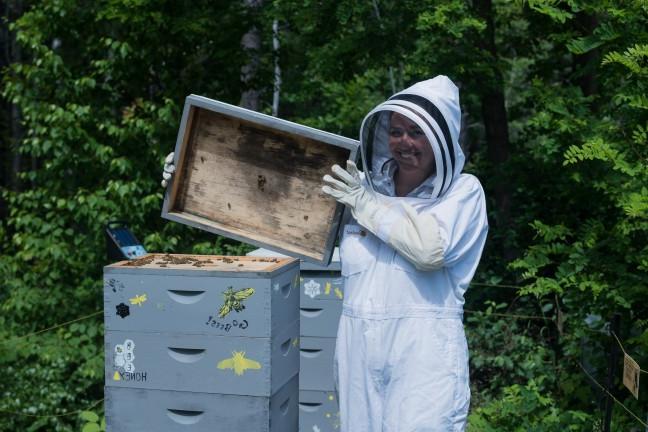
[{"x": 410, "y": 147}]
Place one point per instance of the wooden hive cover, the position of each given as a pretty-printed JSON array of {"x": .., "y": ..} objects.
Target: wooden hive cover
[{"x": 256, "y": 178}]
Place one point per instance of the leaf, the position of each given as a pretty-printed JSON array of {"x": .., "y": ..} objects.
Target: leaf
[
  {"x": 601, "y": 35},
  {"x": 91, "y": 427},
  {"x": 89, "y": 416}
]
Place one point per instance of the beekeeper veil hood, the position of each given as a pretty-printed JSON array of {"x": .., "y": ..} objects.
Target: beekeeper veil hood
[{"x": 434, "y": 106}]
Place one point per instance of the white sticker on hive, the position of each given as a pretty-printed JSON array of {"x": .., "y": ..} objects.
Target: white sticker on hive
[
  {"x": 312, "y": 289},
  {"x": 119, "y": 361},
  {"x": 124, "y": 357}
]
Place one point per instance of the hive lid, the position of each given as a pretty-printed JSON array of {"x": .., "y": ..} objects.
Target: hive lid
[{"x": 257, "y": 179}]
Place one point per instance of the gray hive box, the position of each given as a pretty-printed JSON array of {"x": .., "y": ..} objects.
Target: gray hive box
[
  {"x": 320, "y": 299},
  {"x": 198, "y": 363},
  {"x": 256, "y": 178},
  {"x": 316, "y": 356},
  {"x": 211, "y": 295},
  {"x": 136, "y": 410},
  {"x": 321, "y": 293}
]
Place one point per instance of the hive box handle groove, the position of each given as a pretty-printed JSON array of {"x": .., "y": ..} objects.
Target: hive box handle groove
[
  {"x": 184, "y": 417},
  {"x": 185, "y": 297},
  {"x": 285, "y": 347},
  {"x": 310, "y": 353},
  {"x": 186, "y": 355},
  {"x": 284, "y": 407},
  {"x": 309, "y": 406},
  {"x": 285, "y": 290},
  {"x": 310, "y": 312}
]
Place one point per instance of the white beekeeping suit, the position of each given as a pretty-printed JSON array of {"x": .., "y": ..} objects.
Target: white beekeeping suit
[{"x": 401, "y": 355}]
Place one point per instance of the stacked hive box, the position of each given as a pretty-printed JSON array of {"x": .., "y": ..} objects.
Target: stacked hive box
[
  {"x": 320, "y": 308},
  {"x": 202, "y": 343}
]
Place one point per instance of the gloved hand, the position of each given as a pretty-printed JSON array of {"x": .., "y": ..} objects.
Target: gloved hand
[
  {"x": 350, "y": 191},
  {"x": 415, "y": 236},
  {"x": 169, "y": 169}
]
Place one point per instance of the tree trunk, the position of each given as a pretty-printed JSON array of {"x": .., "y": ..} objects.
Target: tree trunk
[
  {"x": 277, "y": 68},
  {"x": 585, "y": 64},
  {"x": 251, "y": 44},
  {"x": 493, "y": 107},
  {"x": 497, "y": 137},
  {"x": 11, "y": 131}
]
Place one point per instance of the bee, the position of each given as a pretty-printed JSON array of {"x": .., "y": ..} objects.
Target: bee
[
  {"x": 234, "y": 300},
  {"x": 239, "y": 363},
  {"x": 138, "y": 299}
]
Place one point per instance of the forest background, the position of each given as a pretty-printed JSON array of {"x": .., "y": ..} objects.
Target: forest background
[{"x": 555, "y": 102}]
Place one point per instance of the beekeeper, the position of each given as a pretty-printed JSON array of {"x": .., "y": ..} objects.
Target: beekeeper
[{"x": 408, "y": 254}]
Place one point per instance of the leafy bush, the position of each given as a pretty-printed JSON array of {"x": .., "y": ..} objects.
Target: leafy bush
[{"x": 524, "y": 408}]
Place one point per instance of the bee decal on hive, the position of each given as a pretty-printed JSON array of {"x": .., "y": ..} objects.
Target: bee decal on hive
[
  {"x": 138, "y": 299},
  {"x": 234, "y": 300},
  {"x": 239, "y": 363}
]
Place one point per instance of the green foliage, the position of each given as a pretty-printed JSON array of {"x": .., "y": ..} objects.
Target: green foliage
[
  {"x": 92, "y": 423},
  {"x": 100, "y": 100},
  {"x": 504, "y": 351},
  {"x": 525, "y": 408},
  {"x": 589, "y": 250},
  {"x": 552, "y": 9}
]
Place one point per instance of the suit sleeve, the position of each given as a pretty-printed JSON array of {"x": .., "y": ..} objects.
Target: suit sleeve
[{"x": 438, "y": 235}]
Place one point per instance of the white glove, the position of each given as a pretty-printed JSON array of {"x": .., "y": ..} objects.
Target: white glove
[
  {"x": 169, "y": 169},
  {"x": 350, "y": 191},
  {"x": 415, "y": 236}
]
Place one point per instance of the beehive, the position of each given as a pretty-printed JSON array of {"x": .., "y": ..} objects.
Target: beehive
[
  {"x": 321, "y": 295},
  {"x": 219, "y": 332},
  {"x": 256, "y": 178}
]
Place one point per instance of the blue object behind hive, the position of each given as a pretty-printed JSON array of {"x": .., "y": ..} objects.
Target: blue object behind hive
[{"x": 121, "y": 244}]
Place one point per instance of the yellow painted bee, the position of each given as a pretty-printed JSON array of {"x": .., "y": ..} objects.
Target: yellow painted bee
[
  {"x": 239, "y": 363},
  {"x": 234, "y": 300},
  {"x": 138, "y": 299}
]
